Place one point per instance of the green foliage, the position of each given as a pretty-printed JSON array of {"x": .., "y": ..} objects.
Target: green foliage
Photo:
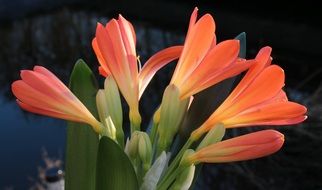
[
  {"x": 82, "y": 141},
  {"x": 114, "y": 169}
]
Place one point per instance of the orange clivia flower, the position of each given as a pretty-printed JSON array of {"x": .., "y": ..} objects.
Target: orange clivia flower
[
  {"x": 204, "y": 63},
  {"x": 114, "y": 46},
  {"x": 257, "y": 100},
  {"x": 245, "y": 147},
  {"x": 41, "y": 92}
]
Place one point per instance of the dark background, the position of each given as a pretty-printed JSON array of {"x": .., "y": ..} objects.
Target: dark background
[{"x": 56, "y": 33}]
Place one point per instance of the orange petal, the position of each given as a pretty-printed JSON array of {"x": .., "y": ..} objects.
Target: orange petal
[
  {"x": 199, "y": 39},
  {"x": 289, "y": 121},
  {"x": 103, "y": 69},
  {"x": 105, "y": 49},
  {"x": 128, "y": 36},
  {"x": 266, "y": 85},
  {"x": 245, "y": 147},
  {"x": 156, "y": 62},
  {"x": 193, "y": 19},
  {"x": 29, "y": 95},
  {"x": 48, "y": 112},
  {"x": 45, "y": 85},
  {"x": 42, "y": 92},
  {"x": 110, "y": 43},
  {"x": 262, "y": 61},
  {"x": 119, "y": 51},
  {"x": 269, "y": 113},
  {"x": 129, "y": 29},
  {"x": 54, "y": 80},
  {"x": 231, "y": 71},
  {"x": 213, "y": 65}
]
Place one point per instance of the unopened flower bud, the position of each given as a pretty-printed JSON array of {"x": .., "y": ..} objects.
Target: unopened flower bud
[
  {"x": 105, "y": 118},
  {"x": 131, "y": 148},
  {"x": 172, "y": 112},
  {"x": 145, "y": 151},
  {"x": 114, "y": 105},
  {"x": 213, "y": 136},
  {"x": 184, "y": 179}
]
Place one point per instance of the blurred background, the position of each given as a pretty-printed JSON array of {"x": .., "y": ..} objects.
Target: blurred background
[{"x": 56, "y": 33}]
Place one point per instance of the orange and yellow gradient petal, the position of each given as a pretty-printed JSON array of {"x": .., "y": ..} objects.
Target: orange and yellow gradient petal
[
  {"x": 200, "y": 37},
  {"x": 257, "y": 100},
  {"x": 204, "y": 63},
  {"x": 41, "y": 92},
  {"x": 114, "y": 46},
  {"x": 156, "y": 62},
  {"x": 245, "y": 147}
]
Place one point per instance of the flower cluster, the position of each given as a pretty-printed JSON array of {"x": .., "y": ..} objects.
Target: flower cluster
[{"x": 258, "y": 99}]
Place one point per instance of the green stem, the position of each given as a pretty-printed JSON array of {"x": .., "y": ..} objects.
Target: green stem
[
  {"x": 165, "y": 185},
  {"x": 153, "y": 132},
  {"x": 140, "y": 172},
  {"x": 175, "y": 162}
]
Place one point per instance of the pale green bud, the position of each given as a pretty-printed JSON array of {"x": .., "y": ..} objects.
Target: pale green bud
[
  {"x": 109, "y": 106},
  {"x": 184, "y": 179},
  {"x": 114, "y": 107},
  {"x": 109, "y": 128},
  {"x": 132, "y": 145},
  {"x": 172, "y": 113},
  {"x": 145, "y": 151},
  {"x": 213, "y": 136}
]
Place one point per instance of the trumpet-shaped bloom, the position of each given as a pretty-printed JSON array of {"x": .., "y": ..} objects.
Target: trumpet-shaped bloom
[
  {"x": 258, "y": 99},
  {"x": 245, "y": 147},
  {"x": 114, "y": 46},
  {"x": 41, "y": 92},
  {"x": 204, "y": 63}
]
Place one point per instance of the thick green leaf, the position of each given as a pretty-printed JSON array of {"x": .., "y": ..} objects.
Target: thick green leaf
[
  {"x": 114, "y": 169},
  {"x": 82, "y": 141}
]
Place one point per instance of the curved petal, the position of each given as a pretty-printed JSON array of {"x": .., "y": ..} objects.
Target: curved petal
[
  {"x": 129, "y": 30},
  {"x": 29, "y": 95},
  {"x": 110, "y": 43},
  {"x": 233, "y": 70},
  {"x": 54, "y": 80},
  {"x": 287, "y": 121},
  {"x": 51, "y": 113},
  {"x": 44, "y": 85},
  {"x": 270, "y": 112},
  {"x": 262, "y": 61},
  {"x": 156, "y": 62},
  {"x": 103, "y": 69},
  {"x": 213, "y": 64},
  {"x": 40, "y": 91},
  {"x": 199, "y": 39},
  {"x": 245, "y": 147},
  {"x": 128, "y": 38},
  {"x": 267, "y": 85},
  {"x": 118, "y": 50}
]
